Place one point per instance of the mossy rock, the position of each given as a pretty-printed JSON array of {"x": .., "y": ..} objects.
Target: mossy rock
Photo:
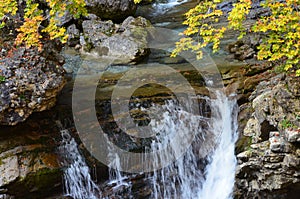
[
  {"x": 38, "y": 185},
  {"x": 243, "y": 144}
]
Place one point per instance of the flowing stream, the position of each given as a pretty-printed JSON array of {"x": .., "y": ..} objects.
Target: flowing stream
[
  {"x": 214, "y": 140},
  {"x": 78, "y": 182},
  {"x": 205, "y": 171},
  {"x": 185, "y": 178}
]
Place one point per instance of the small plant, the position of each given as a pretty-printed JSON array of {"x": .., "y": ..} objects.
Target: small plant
[
  {"x": 2, "y": 79},
  {"x": 285, "y": 123}
]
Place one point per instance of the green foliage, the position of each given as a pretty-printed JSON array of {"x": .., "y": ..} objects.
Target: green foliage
[
  {"x": 2, "y": 79},
  {"x": 31, "y": 30},
  {"x": 281, "y": 42},
  {"x": 285, "y": 124},
  {"x": 7, "y": 7},
  {"x": 200, "y": 22}
]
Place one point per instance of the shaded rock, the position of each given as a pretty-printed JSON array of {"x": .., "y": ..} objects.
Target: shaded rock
[
  {"x": 116, "y": 10},
  {"x": 241, "y": 51},
  {"x": 29, "y": 164},
  {"x": 145, "y": 2},
  {"x": 264, "y": 174},
  {"x": 74, "y": 35}
]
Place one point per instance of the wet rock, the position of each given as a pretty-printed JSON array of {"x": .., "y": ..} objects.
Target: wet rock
[
  {"x": 6, "y": 196},
  {"x": 124, "y": 43},
  {"x": 136, "y": 186},
  {"x": 145, "y": 2},
  {"x": 116, "y": 10}
]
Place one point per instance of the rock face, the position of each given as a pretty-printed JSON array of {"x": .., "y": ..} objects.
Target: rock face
[
  {"x": 29, "y": 82},
  {"x": 116, "y": 10},
  {"x": 29, "y": 166},
  {"x": 124, "y": 43},
  {"x": 270, "y": 165}
]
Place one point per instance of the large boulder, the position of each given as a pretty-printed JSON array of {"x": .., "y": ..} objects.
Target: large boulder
[
  {"x": 124, "y": 43},
  {"x": 29, "y": 82},
  {"x": 116, "y": 10}
]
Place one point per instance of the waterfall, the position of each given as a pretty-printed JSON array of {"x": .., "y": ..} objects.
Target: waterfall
[
  {"x": 181, "y": 179},
  {"x": 206, "y": 170},
  {"x": 214, "y": 138},
  {"x": 78, "y": 182},
  {"x": 220, "y": 172}
]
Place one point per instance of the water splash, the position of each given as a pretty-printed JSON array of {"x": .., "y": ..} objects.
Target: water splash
[
  {"x": 220, "y": 172},
  {"x": 214, "y": 143},
  {"x": 180, "y": 179},
  {"x": 206, "y": 170},
  {"x": 77, "y": 179}
]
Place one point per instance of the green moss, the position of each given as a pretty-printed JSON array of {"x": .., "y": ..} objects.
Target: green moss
[
  {"x": 39, "y": 183},
  {"x": 2, "y": 79},
  {"x": 243, "y": 144}
]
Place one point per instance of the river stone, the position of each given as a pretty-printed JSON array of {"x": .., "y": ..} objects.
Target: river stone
[
  {"x": 116, "y": 10},
  {"x": 122, "y": 43}
]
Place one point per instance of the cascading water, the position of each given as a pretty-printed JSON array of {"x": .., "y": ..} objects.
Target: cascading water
[
  {"x": 216, "y": 139},
  {"x": 181, "y": 179},
  {"x": 77, "y": 179},
  {"x": 220, "y": 172},
  {"x": 205, "y": 171}
]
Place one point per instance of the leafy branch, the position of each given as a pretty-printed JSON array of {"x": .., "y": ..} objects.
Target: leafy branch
[{"x": 281, "y": 29}]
